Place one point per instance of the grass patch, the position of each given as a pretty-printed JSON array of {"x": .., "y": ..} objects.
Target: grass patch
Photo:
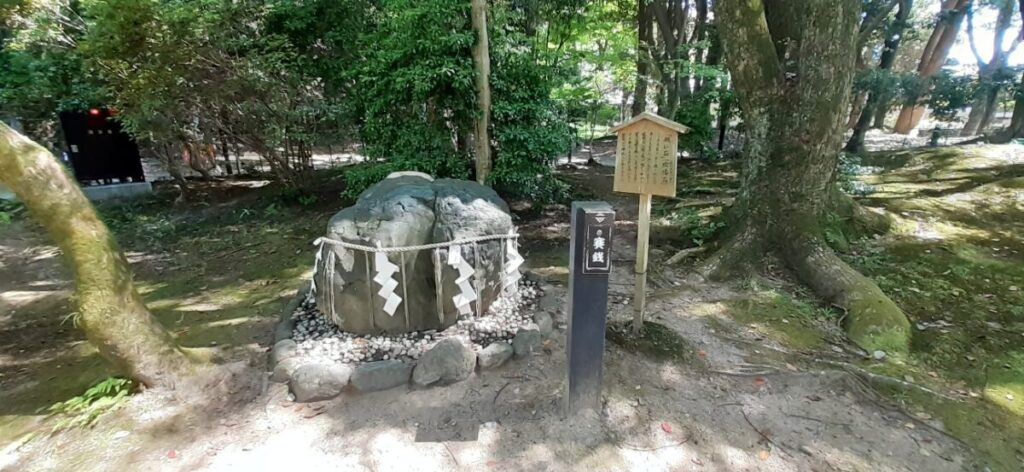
[{"x": 656, "y": 341}]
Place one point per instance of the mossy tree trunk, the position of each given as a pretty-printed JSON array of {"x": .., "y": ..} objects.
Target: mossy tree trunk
[
  {"x": 792, "y": 63},
  {"x": 112, "y": 313}
]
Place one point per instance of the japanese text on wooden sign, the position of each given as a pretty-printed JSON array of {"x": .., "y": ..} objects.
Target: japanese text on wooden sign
[{"x": 645, "y": 160}]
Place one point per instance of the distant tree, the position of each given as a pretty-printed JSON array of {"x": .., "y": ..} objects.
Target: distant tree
[
  {"x": 947, "y": 27},
  {"x": 793, "y": 65},
  {"x": 993, "y": 76},
  {"x": 893, "y": 37},
  {"x": 110, "y": 310}
]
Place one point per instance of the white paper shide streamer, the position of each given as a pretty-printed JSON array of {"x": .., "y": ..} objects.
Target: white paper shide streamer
[
  {"x": 514, "y": 260},
  {"x": 467, "y": 294},
  {"x": 331, "y": 276},
  {"x": 385, "y": 278}
]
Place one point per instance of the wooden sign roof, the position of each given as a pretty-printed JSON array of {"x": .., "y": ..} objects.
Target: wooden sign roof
[{"x": 651, "y": 117}]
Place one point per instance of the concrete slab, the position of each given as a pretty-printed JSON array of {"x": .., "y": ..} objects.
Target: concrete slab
[{"x": 117, "y": 191}]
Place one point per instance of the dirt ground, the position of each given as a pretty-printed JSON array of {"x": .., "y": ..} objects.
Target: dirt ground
[
  {"x": 747, "y": 376},
  {"x": 734, "y": 402},
  {"x": 716, "y": 410}
]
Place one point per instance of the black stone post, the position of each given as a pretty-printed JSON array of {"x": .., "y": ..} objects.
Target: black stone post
[{"x": 589, "y": 264}]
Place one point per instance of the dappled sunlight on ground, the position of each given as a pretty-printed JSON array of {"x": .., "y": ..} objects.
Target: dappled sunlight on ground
[{"x": 740, "y": 391}]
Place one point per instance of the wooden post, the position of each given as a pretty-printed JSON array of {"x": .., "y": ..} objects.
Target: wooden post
[
  {"x": 643, "y": 237},
  {"x": 482, "y": 61},
  {"x": 590, "y": 247}
]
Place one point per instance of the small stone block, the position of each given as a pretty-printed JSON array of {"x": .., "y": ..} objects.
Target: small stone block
[{"x": 381, "y": 375}]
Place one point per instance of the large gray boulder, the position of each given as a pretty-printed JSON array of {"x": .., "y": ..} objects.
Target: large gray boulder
[
  {"x": 410, "y": 209},
  {"x": 449, "y": 361}
]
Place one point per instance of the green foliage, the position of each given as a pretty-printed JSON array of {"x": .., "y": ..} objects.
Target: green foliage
[
  {"x": 696, "y": 113},
  {"x": 359, "y": 178},
  {"x": 950, "y": 94},
  {"x": 194, "y": 72},
  {"x": 9, "y": 210},
  {"x": 296, "y": 195},
  {"x": 414, "y": 89},
  {"x": 83, "y": 410},
  {"x": 415, "y": 93},
  {"x": 277, "y": 77},
  {"x": 41, "y": 70}
]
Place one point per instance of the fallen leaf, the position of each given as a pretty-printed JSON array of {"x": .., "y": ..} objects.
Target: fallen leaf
[
  {"x": 791, "y": 367},
  {"x": 666, "y": 427},
  {"x": 764, "y": 454}
]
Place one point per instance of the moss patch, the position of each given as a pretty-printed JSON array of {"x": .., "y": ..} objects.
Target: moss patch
[
  {"x": 997, "y": 438},
  {"x": 955, "y": 264},
  {"x": 781, "y": 313},
  {"x": 656, "y": 341}
]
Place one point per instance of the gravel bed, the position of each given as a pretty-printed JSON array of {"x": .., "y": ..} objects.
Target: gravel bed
[{"x": 320, "y": 340}]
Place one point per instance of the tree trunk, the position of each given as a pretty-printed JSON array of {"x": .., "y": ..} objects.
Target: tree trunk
[
  {"x": 1016, "y": 128},
  {"x": 991, "y": 105},
  {"x": 934, "y": 56},
  {"x": 880, "y": 112},
  {"x": 113, "y": 315},
  {"x": 792, "y": 63},
  {"x": 979, "y": 108},
  {"x": 644, "y": 23},
  {"x": 482, "y": 61},
  {"x": 671, "y": 19},
  {"x": 856, "y": 109}
]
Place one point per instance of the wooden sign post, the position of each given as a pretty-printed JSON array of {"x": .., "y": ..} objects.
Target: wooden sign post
[{"x": 645, "y": 164}]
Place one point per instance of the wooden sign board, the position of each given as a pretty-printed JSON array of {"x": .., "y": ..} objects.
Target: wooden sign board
[
  {"x": 645, "y": 164},
  {"x": 645, "y": 159}
]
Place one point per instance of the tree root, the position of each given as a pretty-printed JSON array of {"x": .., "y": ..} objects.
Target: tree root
[
  {"x": 735, "y": 257},
  {"x": 883, "y": 380},
  {"x": 857, "y": 220},
  {"x": 873, "y": 320}
]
